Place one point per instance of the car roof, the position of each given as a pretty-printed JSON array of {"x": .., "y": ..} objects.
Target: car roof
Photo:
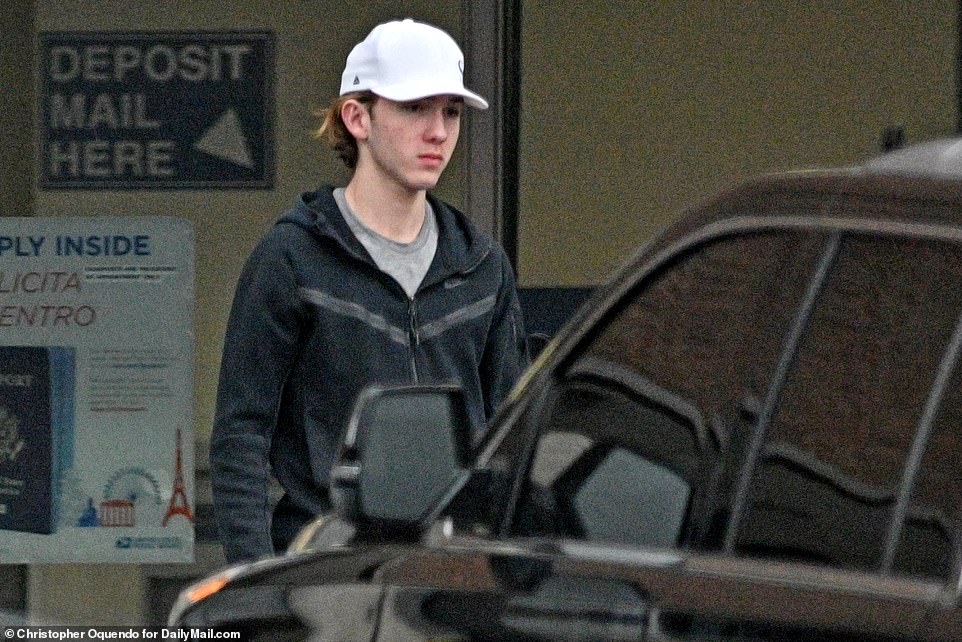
[
  {"x": 921, "y": 184},
  {"x": 938, "y": 158}
]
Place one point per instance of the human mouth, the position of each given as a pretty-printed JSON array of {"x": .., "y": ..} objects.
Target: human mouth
[{"x": 432, "y": 160}]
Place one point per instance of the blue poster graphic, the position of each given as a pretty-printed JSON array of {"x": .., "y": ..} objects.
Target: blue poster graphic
[{"x": 156, "y": 110}]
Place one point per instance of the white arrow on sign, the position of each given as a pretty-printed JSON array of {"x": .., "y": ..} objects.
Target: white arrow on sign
[{"x": 225, "y": 139}]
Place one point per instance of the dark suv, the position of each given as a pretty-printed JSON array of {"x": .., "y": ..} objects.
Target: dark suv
[{"x": 752, "y": 432}]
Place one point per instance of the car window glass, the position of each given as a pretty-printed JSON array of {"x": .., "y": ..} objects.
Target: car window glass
[
  {"x": 639, "y": 424},
  {"x": 827, "y": 476},
  {"x": 925, "y": 546},
  {"x": 623, "y": 478}
]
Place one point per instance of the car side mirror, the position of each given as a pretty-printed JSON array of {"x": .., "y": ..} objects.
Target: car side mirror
[{"x": 404, "y": 450}]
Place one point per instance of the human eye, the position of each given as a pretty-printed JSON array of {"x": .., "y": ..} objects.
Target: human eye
[
  {"x": 454, "y": 109},
  {"x": 413, "y": 107}
]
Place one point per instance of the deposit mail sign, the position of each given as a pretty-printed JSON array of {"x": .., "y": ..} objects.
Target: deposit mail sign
[{"x": 156, "y": 110}]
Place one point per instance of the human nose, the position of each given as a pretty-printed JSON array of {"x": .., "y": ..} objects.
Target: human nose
[{"x": 437, "y": 126}]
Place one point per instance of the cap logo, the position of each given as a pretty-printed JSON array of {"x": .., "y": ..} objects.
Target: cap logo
[{"x": 357, "y": 81}]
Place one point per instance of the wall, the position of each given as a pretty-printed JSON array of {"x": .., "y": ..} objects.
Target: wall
[
  {"x": 632, "y": 110},
  {"x": 16, "y": 137}
]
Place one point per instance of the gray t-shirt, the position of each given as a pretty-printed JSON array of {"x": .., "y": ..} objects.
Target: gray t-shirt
[{"x": 406, "y": 263}]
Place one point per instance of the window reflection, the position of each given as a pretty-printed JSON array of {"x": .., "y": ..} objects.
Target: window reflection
[
  {"x": 826, "y": 483},
  {"x": 638, "y": 417}
]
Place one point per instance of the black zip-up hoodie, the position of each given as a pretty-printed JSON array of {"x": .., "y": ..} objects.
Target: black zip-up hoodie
[{"x": 313, "y": 322}]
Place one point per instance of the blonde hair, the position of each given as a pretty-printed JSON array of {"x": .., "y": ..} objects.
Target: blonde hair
[{"x": 333, "y": 130}]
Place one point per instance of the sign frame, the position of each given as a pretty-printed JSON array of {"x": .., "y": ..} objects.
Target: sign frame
[{"x": 133, "y": 109}]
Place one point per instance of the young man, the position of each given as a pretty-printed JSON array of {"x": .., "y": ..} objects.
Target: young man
[{"x": 377, "y": 282}]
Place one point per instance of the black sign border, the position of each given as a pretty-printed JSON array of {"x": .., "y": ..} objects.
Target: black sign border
[{"x": 268, "y": 40}]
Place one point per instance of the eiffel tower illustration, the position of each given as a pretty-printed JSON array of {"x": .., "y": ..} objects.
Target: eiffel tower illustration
[{"x": 178, "y": 499}]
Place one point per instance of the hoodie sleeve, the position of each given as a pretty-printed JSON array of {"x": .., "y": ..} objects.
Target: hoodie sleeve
[
  {"x": 259, "y": 349},
  {"x": 506, "y": 351}
]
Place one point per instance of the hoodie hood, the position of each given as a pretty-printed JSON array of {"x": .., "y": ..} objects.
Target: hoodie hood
[{"x": 461, "y": 246}]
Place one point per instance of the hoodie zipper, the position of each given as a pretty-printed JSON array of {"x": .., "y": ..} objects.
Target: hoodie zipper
[{"x": 413, "y": 337}]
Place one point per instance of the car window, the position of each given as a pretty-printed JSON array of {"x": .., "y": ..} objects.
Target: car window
[
  {"x": 654, "y": 432},
  {"x": 636, "y": 430},
  {"x": 828, "y": 476},
  {"x": 586, "y": 477}
]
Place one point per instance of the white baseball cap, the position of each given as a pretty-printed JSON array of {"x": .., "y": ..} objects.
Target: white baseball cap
[{"x": 407, "y": 60}]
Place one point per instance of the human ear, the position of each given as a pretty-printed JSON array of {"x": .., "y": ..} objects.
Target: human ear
[{"x": 356, "y": 118}]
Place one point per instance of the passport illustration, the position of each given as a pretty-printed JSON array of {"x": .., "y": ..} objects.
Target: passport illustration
[{"x": 36, "y": 434}]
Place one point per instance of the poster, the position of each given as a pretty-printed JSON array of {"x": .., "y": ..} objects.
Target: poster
[{"x": 96, "y": 389}]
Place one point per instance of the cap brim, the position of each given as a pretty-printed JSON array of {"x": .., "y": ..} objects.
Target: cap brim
[{"x": 408, "y": 92}]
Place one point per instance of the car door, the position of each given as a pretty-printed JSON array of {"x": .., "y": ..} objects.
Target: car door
[
  {"x": 773, "y": 406},
  {"x": 489, "y": 590}
]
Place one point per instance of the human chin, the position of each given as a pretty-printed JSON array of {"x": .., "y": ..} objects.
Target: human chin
[
  {"x": 425, "y": 178},
  {"x": 426, "y": 183}
]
